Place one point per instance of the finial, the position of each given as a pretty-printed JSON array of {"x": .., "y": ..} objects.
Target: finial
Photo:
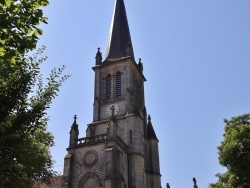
[
  {"x": 74, "y": 132},
  {"x": 195, "y": 185},
  {"x": 168, "y": 186},
  {"x": 149, "y": 117},
  {"x": 140, "y": 65},
  {"x": 75, "y": 117},
  {"x": 98, "y": 56},
  {"x": 98, "y": 51}
]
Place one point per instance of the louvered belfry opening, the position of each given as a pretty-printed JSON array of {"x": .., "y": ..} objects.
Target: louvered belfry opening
[
  {"x": 108, "y": 87},
  {"x": 118, "y": 84}
]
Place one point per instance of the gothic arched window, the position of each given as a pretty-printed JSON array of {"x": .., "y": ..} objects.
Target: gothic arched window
[
  {"x": 118, "y": 84},
  {"x": 108, "y": 87}
]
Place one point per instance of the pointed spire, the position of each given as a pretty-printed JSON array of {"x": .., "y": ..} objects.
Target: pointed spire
[
  {"x": 195, "y": 185},
  {"x": 149, "y": 118},
  {"x": 119, "y": 42},
  {"x": 74, "y": 132},
  {"x": 150, "y": 131},
  {"x": 98, "y": 57},
  {"x": 140, "y": 65},
  {"x": 74, "y": 123}
]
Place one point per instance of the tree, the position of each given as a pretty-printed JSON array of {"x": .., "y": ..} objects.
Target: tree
[
  {"x": 24, "y": 97},
  {"x": 24, "y": 139},
  {"x": 19, "y": 20},
  {"x": 234, "y": 154}
]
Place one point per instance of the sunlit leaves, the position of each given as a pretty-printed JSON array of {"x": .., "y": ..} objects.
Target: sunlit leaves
[
  {"x": 8, "y": 2},
  {"x": 18, "y": 27},
  {"x": 234, "y": 153},
  {"x": 25, "y": 98}
]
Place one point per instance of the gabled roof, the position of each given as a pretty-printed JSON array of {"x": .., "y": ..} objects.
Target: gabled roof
[{"x": 119, "y": 41}]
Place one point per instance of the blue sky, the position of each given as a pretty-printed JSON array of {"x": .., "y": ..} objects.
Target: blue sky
[{"x": 196, "y": 57}]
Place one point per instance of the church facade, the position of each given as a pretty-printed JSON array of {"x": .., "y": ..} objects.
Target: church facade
[{"x": 120, "y": 149}]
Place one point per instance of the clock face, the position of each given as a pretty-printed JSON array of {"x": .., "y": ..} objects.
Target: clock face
[{"x": 112, "y": 109}]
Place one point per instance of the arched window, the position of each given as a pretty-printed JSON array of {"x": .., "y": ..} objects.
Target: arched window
[
  {"x": 108, "y": 87},
  {"x": 90, "y": 180},
  {"x": 118, "y": 84}
]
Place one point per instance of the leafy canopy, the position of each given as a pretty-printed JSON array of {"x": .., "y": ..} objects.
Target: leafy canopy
[
  {"x": 24, "y": 140},
  {"x": 19, "y": 20},
  {"x": 234, "y": 154},
  {"x": 24, "y": 97}
]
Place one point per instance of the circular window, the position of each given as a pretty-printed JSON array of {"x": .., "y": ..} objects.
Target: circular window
[{"x": 90, "y": 158}]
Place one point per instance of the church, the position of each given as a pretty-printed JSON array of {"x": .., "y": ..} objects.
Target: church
[{"x": 120, "y": 149}]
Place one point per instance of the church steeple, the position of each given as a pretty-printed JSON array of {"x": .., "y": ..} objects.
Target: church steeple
[
  {"x": 119, "y": 138},
  {"x": 119, "y": 41}
]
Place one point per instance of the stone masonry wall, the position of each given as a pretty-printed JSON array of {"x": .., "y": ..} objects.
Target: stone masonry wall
[{"x": 88, "y": 159}]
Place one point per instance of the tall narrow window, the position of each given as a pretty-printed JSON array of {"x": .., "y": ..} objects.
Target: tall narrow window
[
  {"x": 108, "y": 87},
  {"x": 130, "y": 136},
  {"x": 118, "y": 84}
]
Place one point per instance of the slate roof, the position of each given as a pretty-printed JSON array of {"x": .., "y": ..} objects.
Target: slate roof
[
  {"x": 150, "y": 130},
  {"x": 119, "y": 42}
]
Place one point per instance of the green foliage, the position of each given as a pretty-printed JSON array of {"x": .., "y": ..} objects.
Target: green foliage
[
  {"x": 24, "y": 140},
  {"x": 24, "y": 98},
  {"x": 19, "y": 20},
  {"x": 234, "y": 154}
]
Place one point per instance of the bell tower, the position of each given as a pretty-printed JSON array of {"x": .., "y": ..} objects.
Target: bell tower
[{"x": 120, "y": 148}]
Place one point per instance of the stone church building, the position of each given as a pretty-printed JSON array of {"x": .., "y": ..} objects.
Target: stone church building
[{"x": 120, "y": 149}]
